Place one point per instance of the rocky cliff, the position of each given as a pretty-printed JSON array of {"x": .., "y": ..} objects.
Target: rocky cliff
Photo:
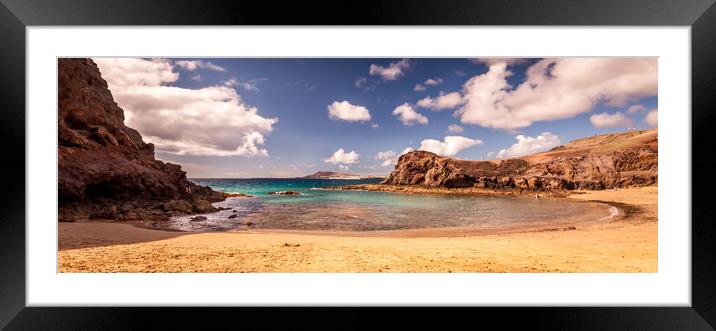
[
  {"x": 598, "y": 162},
  {"x": 105, "y": 169}
]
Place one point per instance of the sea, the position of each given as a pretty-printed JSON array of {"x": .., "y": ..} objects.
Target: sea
[{"x": 320, "y": 208}]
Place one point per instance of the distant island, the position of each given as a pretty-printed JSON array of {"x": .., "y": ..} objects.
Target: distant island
[{"x": 336, "y": 175}]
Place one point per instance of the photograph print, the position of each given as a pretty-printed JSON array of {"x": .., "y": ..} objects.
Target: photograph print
[{"x": 368, "y": 165}]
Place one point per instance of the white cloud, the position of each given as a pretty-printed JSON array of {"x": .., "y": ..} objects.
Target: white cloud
[
  {"x": 392, "y": 72},
  {"x": 450, "y": 146},
  {"x": 652, "y": 118},
  {"x": 197, "y": 64},
  {"x": 454, "y": 128},
  {"x": 427, "y": 82},
  {"x": 408, "y": 116},
  {"x": 250, "y": 85},
  {"x": 363, "y": 83},
  {"x": 375, "y": 126},
  {"x": 345, "y": 111},
  {"x": 197, "y": 78},
  {"x": 360, "y": 82},
  {"x": 212, "y": 120},
  {"x": 529, "y": 145},
  {"x": 496, "y": 60},
  {"x": 344, "y": 167},
  {"x": 134, "y": 72},
  {"x": 341, "y": 157},
  {"x": 433, "y": 81},
  {"x": 605, "y": 120},
  {"x": 384, "y": 155},
  {"x": 636, "y": 109},
  {"x": 388, "y": 157},
  {"x": 443, "y": 101},
  {"x": 555, "y": 89},
  {"x": 425, "y": 102}
]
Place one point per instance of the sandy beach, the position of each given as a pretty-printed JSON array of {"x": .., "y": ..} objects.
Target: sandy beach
[{"x": 625, "y": 244}]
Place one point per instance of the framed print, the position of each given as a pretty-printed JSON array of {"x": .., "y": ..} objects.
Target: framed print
[{"x": 416, "y": 154}]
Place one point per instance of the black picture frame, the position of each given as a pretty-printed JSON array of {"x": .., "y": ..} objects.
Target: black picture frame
[{"x": 16, "y": 15}]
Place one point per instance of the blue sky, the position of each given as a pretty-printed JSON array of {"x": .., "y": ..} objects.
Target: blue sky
[{"x": 297, "y": 93}]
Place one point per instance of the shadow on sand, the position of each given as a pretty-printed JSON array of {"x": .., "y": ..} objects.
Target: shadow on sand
[{"x": 86, "y": 234}]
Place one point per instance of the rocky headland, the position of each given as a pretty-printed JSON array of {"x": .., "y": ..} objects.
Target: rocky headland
[
  {"x": 106, "y": 171},
  {"x": 619, "y": 160}
]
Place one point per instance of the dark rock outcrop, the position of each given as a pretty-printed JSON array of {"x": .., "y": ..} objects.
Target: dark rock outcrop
[
  {"x": 105, "y": 169},
  {"x": 430, "y": 169},
  {"x": 236, "y": 195},
  {"x": 594, "y": 163},
  {"x": 289, "y": 192}
]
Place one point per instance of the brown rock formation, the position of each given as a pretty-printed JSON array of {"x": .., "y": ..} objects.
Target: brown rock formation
[
  {"x": 598, "y": 162},
  {"x": 289, "y": 192},
  {"x": 105, "y": 169}
]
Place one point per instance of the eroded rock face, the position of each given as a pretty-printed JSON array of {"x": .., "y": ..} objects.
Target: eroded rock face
[
  {"x": 105, "y": 169},
  {"x": 594, "y": 163},
  {"x": 426, "y": 168}
]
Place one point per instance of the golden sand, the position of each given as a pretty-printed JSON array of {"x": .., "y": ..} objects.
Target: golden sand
[{"x": 626, "y": 244}]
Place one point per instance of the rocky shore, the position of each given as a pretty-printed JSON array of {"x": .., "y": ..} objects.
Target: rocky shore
[
  {"x": 106, "y": 170},
  {"x": 620, "y": 160},
  {"x": 422, "y": 189}
]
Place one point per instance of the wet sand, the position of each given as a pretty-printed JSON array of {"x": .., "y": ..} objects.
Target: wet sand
[{"x": 627, "y": 243}]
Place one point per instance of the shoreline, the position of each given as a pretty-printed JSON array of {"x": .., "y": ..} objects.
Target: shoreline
[
  {"x": 439, "y": 231},
  {"x": 473, "y": 191},
  {"x": 444, "y": 231},
  {"x": 90, "y": 246}
]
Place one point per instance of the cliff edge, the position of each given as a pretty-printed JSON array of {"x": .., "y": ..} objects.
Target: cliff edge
[
  {"x": 617, "y": 160},
  {"x": 105, "y": 169}
]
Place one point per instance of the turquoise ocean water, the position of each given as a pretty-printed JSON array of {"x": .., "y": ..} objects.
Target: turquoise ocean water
[{"x": 334, "y": 210}]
